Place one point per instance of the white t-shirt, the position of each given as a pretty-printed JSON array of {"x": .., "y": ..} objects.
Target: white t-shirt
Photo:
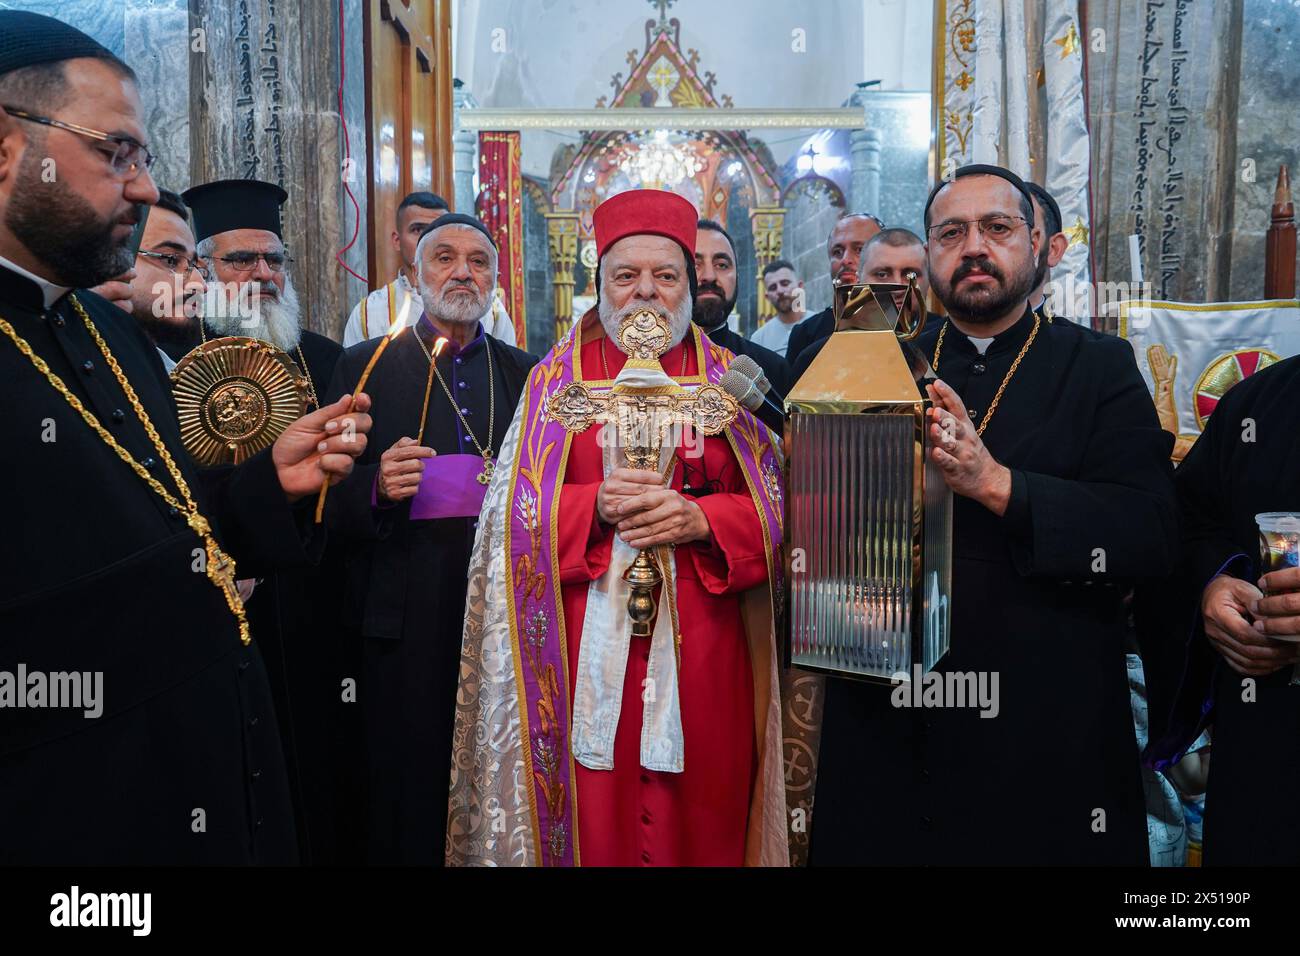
[{"x": 775, "y": 335}]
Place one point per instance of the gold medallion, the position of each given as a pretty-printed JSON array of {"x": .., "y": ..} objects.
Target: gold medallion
[{"x": 236, "y": 396}]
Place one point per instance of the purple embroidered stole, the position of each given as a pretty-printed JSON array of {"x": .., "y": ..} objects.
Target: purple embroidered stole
[{"x": 537, "y": 626}]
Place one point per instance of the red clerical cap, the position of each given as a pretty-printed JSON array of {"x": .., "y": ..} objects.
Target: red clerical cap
[{"x": 639, "y": 212}]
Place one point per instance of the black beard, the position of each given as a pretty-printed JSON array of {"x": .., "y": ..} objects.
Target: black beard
[
  {"x": 61, "y": 229},
  {"x": 169, "y": 332},
  {"x": 1040, "y": 273},
  {"x": 711, "y": 314},
  {"x": 976, "y": 309}
]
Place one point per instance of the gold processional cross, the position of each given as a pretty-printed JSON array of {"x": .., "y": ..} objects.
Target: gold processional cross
[{"x": 643, "y": 417}]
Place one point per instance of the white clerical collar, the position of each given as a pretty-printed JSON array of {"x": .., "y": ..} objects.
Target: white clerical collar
[
  {"x": 981, "y": 345},
  {"x": 53, "y": 293}
]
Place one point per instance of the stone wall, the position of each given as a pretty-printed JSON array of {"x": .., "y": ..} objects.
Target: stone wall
[
  {"x": 152, "y": 36},
  {"x": 264, "y": 105},
  {"x": 209, "y": 115},
  {"x": 1267, "y": 131},
  {"x": 811, "y": 211},
  {"x": 1191, "y": 165}
]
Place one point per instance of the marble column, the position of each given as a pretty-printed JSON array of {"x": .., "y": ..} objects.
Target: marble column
[
  {"x": 153, "y": 38},
  {"x": 562, "y": 238},
  {"x": 157, "y": 46},
  {"x": 858, "y": 170},
  {"x": 464, "y": 146},
  {"x": 871, "y": 179},
  {"x": 264, "y": 105},
  {"x": 864, "y": 157}
]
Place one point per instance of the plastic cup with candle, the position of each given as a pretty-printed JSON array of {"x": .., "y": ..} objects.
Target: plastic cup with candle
[{"x": 1279, "y": 548}]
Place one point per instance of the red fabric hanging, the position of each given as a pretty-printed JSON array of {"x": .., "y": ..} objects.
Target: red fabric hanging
[{"x": 501, "y": 208}]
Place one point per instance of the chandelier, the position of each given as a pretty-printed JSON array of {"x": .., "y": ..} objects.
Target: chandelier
[{"x": 657, "y": 163}]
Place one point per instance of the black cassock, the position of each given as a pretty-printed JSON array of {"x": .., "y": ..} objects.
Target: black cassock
[
  {"x": 774, "y": 366},
  {"x": 1245, "y": 463},
  {"x": 1090, "y": 471},
  {"x": 406, "y": 581},
  {"x": 812, "y": 329},
  {"x": 295, "y": 624},
  {"x": 185, "y": 764}
]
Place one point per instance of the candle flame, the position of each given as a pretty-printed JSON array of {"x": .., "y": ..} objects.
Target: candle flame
[
  {"x": 438, "y": 345},
  {"x": 401, "y": 318}
]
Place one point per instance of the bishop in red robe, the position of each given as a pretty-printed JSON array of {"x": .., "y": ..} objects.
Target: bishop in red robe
[{"x": 576, "y": 743}]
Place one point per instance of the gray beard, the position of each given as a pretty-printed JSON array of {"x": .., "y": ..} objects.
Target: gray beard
[
  {"x": 457, "y": 310},
  {"x": 274, "y": 321},
  {"x": 679, "y": 320}
]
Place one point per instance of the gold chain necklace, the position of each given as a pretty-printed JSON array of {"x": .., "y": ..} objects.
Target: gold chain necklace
[
  {"x": 485, "y": 476},
  {"x": 984, "y": 422},
  {"x": 219, "y": 565}
]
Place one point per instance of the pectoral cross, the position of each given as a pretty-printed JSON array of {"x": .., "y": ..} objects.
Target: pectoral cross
[{"x": 220, "y": 569}]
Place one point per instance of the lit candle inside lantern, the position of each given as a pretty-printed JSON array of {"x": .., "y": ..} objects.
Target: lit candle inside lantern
[{"x": 361, "y": 385}]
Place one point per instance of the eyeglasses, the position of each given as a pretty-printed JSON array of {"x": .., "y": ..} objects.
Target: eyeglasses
[
  {"x": 247, "y": 261},
  {"x": 128, "y": 158},
  {"x": 993, "y": 228},
  {"x": 181, "y": 265}
]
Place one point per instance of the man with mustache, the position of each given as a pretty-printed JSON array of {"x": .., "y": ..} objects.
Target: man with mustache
[
  {"x": 1063, "y": 495},
  {"x": 715, "y": 268},
  {"x": 250, "y": 291},
  {"x": 844, "y": 248},
  {"x": 783, "y": 288},
  {"x": 169, "y": 279},
  {"x": 119, "y": 547},
  {"x": 890, "y": 256},
  {"x": 374, "y": 315},
  {"x": 578, "y": 743},
  {"x": 409, "y": 515}
]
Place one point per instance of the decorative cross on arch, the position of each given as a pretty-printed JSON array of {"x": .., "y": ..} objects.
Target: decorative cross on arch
[{"x": 663, "y": 6}]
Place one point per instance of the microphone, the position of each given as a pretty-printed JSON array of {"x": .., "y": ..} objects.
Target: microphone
[{"x": 745, "y": 382}]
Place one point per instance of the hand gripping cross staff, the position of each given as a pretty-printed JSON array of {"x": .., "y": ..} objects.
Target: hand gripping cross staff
[{"x": 644, "y": 406}]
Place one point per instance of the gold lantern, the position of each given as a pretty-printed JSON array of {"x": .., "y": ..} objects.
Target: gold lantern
[{"x": 869, "y": 519}]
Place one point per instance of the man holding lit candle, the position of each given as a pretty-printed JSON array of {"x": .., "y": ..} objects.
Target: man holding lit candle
[
  {"x": 118, "y": 545},
  {"x": 444, "y": 392},
  {"x": 250, "y": 293},
  {"x": 1224, "y": 638}
]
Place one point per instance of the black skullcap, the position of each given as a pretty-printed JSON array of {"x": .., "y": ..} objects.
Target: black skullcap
[
  {"x": 458, "y": 219},
  {"x": 30, "y": 39},
  {"x": 982, "y": 169},
  {"x": 235, "y": 204},
  {"x": 1046, "y": 201}
]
